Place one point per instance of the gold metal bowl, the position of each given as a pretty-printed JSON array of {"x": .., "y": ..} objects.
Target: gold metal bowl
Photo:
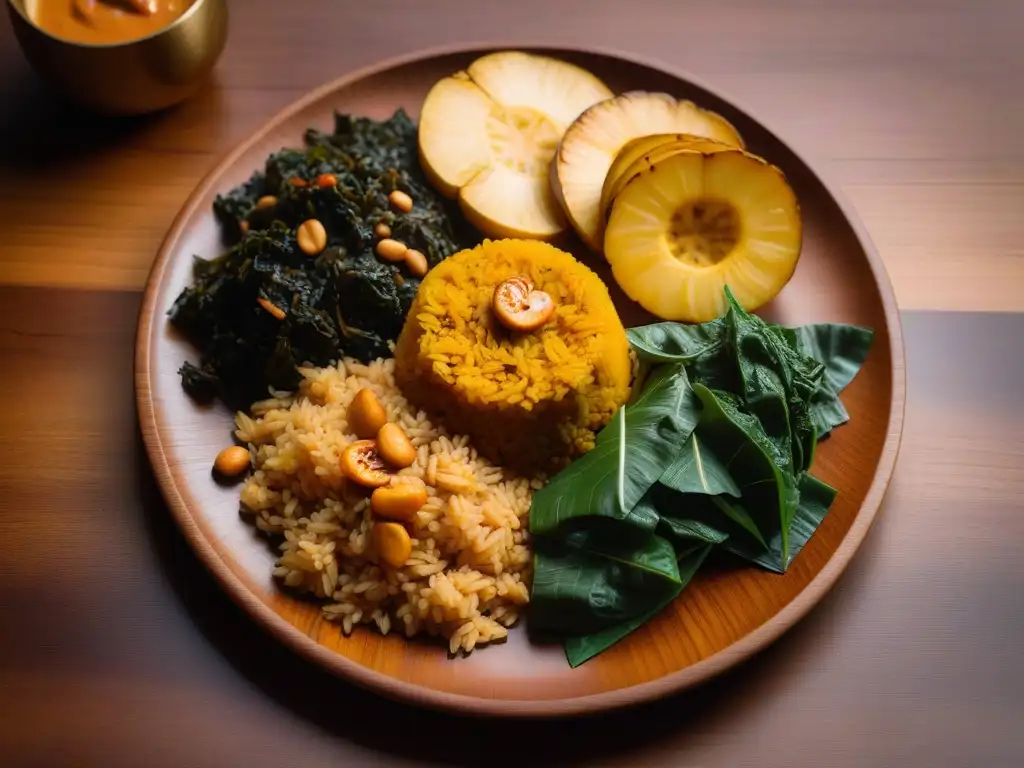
[{"x": 134, "y": 77}]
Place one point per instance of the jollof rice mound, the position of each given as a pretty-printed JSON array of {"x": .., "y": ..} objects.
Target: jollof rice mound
[
  {"x": 528, "y": 400},
  {"x": 468, "y": 575}
]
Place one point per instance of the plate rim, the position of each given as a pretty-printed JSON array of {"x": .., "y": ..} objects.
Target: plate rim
[{"x": 676, "y": 682}]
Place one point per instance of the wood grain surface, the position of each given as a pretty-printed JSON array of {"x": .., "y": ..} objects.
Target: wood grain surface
[{"x": 117, "y": 647}]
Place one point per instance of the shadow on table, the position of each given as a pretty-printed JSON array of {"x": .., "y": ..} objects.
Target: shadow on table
[
  {"x": 358, "y": 716},
  {"x": 40, "y": 130}
]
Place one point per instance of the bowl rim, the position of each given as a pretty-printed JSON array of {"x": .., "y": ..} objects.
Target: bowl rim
[
  {"x": 410, "y": 693},
  {"x": 18, "y": 6}
]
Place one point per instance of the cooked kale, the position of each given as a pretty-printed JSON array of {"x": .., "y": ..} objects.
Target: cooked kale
[{"x": 343, "y": 302}]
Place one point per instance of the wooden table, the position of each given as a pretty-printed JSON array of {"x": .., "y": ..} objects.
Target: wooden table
[{"x": 117, "y": 648}]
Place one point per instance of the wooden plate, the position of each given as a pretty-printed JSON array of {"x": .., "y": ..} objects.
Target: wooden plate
[{"x": 720, "y": 619}]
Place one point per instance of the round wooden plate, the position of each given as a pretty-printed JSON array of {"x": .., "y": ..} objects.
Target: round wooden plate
[{"x": 723, "y": 617}]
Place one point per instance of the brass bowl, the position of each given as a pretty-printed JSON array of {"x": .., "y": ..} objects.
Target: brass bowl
[{"x": 142, "y": 75}]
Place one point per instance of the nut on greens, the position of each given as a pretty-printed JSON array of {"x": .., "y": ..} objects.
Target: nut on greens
[
  {"x": 341, "y": 301},
  {"x": 712, "y": 454}
]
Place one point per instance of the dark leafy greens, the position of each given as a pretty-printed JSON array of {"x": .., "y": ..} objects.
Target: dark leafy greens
[
  {"x": 842, "y": 349},
  {"x": 595, "y": 576},
  {"x": 652, "y": 427},
  {"x": 345, "y": 301},
  {"x": 712, "y": 455},
  {"x": 581, "y": 647}
]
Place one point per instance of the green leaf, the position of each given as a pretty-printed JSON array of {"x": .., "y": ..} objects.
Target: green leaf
[
  {"x": 702, "y": 516},
  {"x": 842, "y": 349},
  {"x": 815, "y": 500},
  {"x": 736, "y": 512},
  {"x": 594, "y": 578},
  {"x": 827, "y": 410},
  {"x": 582, "y": 648},
  {"x": 630, "y": 454},
  {"x": 776, "y": 385},
  {"x": 676, "y": 343},
  {"x": 704, "y": 349},
  {"x": 769, "y": 492},
  {"x": 671, "y": 514},
  {"x": 683, "y": 530},
  {"x": 733, "y": 451},
  {"x": 809, "y": 448},
  {"x": 344, "y": 302},
  {"x": 697, "y": 469}
]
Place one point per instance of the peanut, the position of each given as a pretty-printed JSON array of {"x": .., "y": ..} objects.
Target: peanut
[
  {"x": 233, "y": 460},
  {"x": 312, "y": 237},
  {"x": 400, "y": 201},
  {"x": 366, "y": 415},
  {"x": 416, "y": 262},
  {"x": 395, "y": 447},
  {"x": 391, "y": 250}
]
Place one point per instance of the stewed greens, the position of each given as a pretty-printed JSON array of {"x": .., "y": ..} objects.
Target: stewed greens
[
  {"x": 265, "y": 306},
  {"x": 714, "y": 454}
]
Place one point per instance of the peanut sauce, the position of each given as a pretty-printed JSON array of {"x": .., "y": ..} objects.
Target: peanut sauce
[{"x": 103, "y": 22}]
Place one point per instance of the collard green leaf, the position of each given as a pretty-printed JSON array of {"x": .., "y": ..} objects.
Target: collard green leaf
[
  {"x": 581, "y": 648},
  {"x": 762, "y": 376},
  {"x": 704, "y": 349},
  {"x": 683, "y": 531},
  {"x": 701, "y": 516},
  {"x": 675, "y": 342},
  {"x": 672, "y": 517},
  {"x": 697, "y": 469},
  {"x": 809, "y": 445},
  {"x": 595, "y": 578},
  {"x": 777, "y": 382},
  {"x": 769, "y": 492},
  {"x": 738, "y": 513},
  {"x": 630, "y": 454},
  {"x": 760, "y": 395},
  {"x": 815, "y": 500},
  {"x": 705, "y": 519},
  {"x": 827, "y": 410},
  {"x": 842, "y": 349}
]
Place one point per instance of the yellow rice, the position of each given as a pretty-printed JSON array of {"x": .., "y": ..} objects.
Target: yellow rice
[
  {"x": 528, "y": 400},
  {"x": 468, "y": 575}
]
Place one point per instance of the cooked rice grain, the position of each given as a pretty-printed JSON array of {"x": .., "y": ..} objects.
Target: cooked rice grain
[
  {"x": 529, "y": 400},
  {"x": 469, "y": 572}
]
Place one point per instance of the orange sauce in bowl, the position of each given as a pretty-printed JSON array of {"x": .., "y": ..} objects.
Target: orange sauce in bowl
[{"x": 104, "y": 22}]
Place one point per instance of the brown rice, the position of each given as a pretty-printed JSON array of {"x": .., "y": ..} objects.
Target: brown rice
[{"x": 469, "y": 572}]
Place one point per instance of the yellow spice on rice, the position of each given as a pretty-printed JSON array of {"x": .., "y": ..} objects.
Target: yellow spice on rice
[{"x": 533, "y": 400}]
